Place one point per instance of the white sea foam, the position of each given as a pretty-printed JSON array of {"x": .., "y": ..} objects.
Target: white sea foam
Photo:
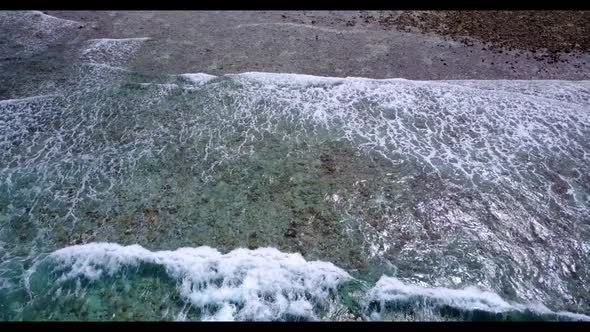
[
  {"x": 261, "y": 284},
  {"x": 287, "y": 78},
  {"x": 26, "y": 99},
  {"x": 36, "y": 30},
  {"x": 198, "y": 78},
  {"x": 118, "y": 40},
  {"x": 522, "y": 140},
  {"x": 109, "y": 51},
  {"x": 392, "y": 289},
  {"x": 53, "y": 18},
  {"x": 389, "y": 289},
  {"x": 507, "y": 143},
  {"x": 266, "y": 284},
  {"x": 6, "y": 284}
]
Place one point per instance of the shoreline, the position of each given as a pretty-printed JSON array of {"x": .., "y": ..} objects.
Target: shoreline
[{"x": 321, "y": 43}]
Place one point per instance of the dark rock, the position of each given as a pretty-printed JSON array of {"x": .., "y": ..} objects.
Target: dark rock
[
  {"x": 150, "y": 215},
  {"x": 93, "y": 214},
  {"x": 373, "y": 222},
  {"x": 252, "y": 243},
  {"x": 555, "y": 31},
  {"x": 560, "y": 187},
  {"x": 328, "y": 163},
  {"x": 291, "y": 232},
  {"x": 364, "y": 191},
  {"x": 356, "y": 260}
]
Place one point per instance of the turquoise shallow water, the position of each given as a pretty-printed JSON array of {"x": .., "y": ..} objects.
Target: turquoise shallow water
[{"x": 260, "y": 196}]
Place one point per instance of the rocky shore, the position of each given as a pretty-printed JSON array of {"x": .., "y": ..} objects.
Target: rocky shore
[{"x": 377, "y": 44}]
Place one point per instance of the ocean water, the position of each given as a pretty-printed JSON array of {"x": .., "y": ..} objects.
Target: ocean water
[{"x": 275, "y": 196}]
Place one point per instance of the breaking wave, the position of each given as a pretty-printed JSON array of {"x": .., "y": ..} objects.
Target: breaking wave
[{"x": 267, "y": 284}]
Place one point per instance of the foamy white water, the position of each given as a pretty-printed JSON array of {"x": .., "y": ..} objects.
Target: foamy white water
[
  {"x": 113, "y": 52},
  {"x": 390, "y": 289},
  {"x": 517, "y": 147},
  {"x": 199, "y": 78},
  {"x": 265, "y": 284},
  {"x": 261, "y": 284},
  {"x": 38, "y": 30}
]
